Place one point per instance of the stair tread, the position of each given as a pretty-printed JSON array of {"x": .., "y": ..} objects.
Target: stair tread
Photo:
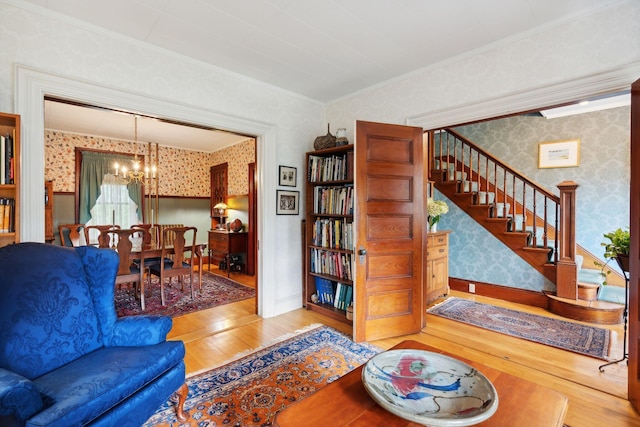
[
  {"x": 612, "y": 294},
  {"x": 588, "y": 285},
  {"x": 597, "y": 304},
  {"x": 589, "y": 275}
]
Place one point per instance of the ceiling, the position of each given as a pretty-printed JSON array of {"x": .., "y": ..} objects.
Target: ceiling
[
  {"x": 83, "y": 120},
  {"x": 321, "y": 49}
]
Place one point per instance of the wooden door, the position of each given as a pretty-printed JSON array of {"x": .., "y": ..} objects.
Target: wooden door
[
  {"x": 389, "y": 230},
  {"x": 634, "y": 255}
]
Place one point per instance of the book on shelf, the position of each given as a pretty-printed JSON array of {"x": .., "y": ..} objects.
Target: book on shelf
[
  {"x": 332, "y": 233},
  {"x": 324, "y": 290},
  {"x": 337, "y": 167},
  {"x": 332, "y": 263},
  {"x": 333, "y": 200},
  {"x": 343, "y": 295},
  {"x": 11, "y": 214},
  {"x": 7, "y": 215},
  {"x": 7, "y": 162}
]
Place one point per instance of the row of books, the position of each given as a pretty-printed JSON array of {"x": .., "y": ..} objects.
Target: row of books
[
  {"x": 333, "y": 233},
  {"x": 7, "y": 161},
  {"x": 7, "y": 215},
  {"x": 338, "y": 294},
  {"x": 333, "y": 168},
  {"x": 333, "y": 200},
  {"x": 335, "y": 264}
]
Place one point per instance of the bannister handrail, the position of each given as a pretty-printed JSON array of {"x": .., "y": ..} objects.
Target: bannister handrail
[{"x": 514, "y": 172}]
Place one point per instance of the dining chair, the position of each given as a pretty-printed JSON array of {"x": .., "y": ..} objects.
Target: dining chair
[
  {"x": 183, "y": 239},
  {"x": 102, "y": 238},
  {"x": 149, "y": 237},
  {"x": 128, "y": 271},
  {"x": 70, "y": 235}
]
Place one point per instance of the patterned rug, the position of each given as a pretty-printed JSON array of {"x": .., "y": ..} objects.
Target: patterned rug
[
  {"x": 251, "y": 390},
  {"x": 216, "y": 290},
  {"x": 583, "y": 339}
]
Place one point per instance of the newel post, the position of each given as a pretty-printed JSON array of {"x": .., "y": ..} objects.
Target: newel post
[{"x": 566, "y": 269}]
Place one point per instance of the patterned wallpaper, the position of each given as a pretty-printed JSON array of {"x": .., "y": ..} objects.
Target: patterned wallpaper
[
  {"x": 193, "y": 180},
  {"x": 238, "y": 157}
]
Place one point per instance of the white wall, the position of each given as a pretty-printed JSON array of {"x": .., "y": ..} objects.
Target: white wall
[
  {"x": 42, "y": 53},
  {"x": 590, "y": 55}
]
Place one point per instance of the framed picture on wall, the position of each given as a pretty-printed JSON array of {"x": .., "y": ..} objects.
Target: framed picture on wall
[
  {"x": 288, "y": 176},
  {"x": 287, "y": 202},
  {"x": 559, "y": 154}
]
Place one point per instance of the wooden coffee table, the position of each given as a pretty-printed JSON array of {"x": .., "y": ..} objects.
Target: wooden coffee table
[{"x": 345, "y": 402}]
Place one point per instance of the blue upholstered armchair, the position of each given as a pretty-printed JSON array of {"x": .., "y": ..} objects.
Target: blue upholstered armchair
[{"x": 65, "y": 357}]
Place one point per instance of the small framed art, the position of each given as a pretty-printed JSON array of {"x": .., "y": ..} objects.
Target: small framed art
[
  {"x": 287, "y": 202},
  {"x": 559, "y": 154},
  {"x": 288, "y": 176}
]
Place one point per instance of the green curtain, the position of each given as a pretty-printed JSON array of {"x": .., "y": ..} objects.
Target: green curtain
[{"x": 94, "y": 166}]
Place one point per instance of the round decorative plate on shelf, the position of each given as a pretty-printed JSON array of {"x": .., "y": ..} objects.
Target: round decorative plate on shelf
[{"x": 429, "y": 388}]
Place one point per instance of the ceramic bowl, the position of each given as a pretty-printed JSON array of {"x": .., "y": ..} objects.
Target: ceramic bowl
[{"x": 429, "y": 388}]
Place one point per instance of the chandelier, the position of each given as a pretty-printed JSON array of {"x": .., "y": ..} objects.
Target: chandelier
[{"x": 135, "y": 173}]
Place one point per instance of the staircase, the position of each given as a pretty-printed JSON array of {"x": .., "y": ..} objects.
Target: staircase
[{"x": 534, "y": 223}]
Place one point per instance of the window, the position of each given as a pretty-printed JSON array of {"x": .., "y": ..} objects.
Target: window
[
  {"x": 114, "y": 206},
  {"x": 102, "y": 199}
]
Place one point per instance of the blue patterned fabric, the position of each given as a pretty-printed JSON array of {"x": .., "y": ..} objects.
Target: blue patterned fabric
[
  {"x": 65, "y": 357},
  {"x": 83, "y": 392},
  {"x": 18, "y": 395},
  {"x": 47, "y": 316}
]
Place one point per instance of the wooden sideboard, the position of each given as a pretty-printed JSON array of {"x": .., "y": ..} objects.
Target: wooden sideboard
[
  {"x": 223, "y": 243},
  {"x": 437, "y": 265}
]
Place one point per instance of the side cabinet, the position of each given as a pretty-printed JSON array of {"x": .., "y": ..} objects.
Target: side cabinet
[
  {"x": 48, "y": 212},
  {"x": 437, "y": 265}
]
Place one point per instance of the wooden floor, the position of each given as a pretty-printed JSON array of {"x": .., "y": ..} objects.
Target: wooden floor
[{"x": 217, "y": 335}]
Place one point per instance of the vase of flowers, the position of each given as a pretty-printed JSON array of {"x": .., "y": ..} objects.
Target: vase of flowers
[{"x": 435, "y": 209}]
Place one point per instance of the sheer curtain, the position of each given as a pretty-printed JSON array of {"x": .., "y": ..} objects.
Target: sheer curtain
[
  {"x": 102, "y": 199},
  {"x": 114, "y": 205}
]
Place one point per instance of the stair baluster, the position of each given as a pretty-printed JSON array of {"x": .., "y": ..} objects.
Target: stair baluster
[{"x": 476, "y": 178}]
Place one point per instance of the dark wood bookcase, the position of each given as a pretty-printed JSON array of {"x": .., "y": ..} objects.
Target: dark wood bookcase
[{"x": 329, "y": 236}]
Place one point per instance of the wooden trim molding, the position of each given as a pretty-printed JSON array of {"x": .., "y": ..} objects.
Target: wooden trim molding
[{"x": 519, "y": 296}]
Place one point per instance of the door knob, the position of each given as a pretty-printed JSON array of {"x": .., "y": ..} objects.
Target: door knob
[{"x": 361, "y": 253}]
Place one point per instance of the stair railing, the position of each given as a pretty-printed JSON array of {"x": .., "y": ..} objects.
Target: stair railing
[{"x": 528, "y": 207}]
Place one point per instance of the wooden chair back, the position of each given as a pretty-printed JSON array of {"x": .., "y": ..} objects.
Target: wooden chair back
[
  {"x": 181, "y": 240},
  {"x": 103, "y": 238},
  {"x": 149, "y": 229},
  {"x": 161, "y": 228},
  {"x": 70, "y": 235},
  {"x": 175, "y": 242},
  {"x": 127, "y": 270}
]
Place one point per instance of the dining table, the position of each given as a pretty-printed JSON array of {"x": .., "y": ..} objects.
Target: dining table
[{"x": 155, "y": 251}]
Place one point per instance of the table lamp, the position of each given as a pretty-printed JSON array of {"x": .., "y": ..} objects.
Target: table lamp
[{"x": 220, "y": 207}]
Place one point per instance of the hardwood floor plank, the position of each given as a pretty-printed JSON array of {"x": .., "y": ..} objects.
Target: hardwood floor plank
[{"x": 216, "y": 335}]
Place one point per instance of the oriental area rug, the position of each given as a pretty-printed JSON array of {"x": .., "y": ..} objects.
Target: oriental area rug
[
  {"x": 216, "y": 290},
  {"x": 251, "y": 390},
  {"x": 575, "y": 337}
]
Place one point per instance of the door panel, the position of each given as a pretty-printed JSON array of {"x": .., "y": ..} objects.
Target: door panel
[
  {"x": 389, "y": 210},
  {"x": 634, "y": 252}
]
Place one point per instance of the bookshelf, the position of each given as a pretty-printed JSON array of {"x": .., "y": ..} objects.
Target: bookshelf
[
  {"x": 329, "y": 233},
  {"x": 9, "y": 179}
]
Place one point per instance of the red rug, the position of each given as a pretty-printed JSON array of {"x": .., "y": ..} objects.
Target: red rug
[{"x": 216, "y": 290}]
